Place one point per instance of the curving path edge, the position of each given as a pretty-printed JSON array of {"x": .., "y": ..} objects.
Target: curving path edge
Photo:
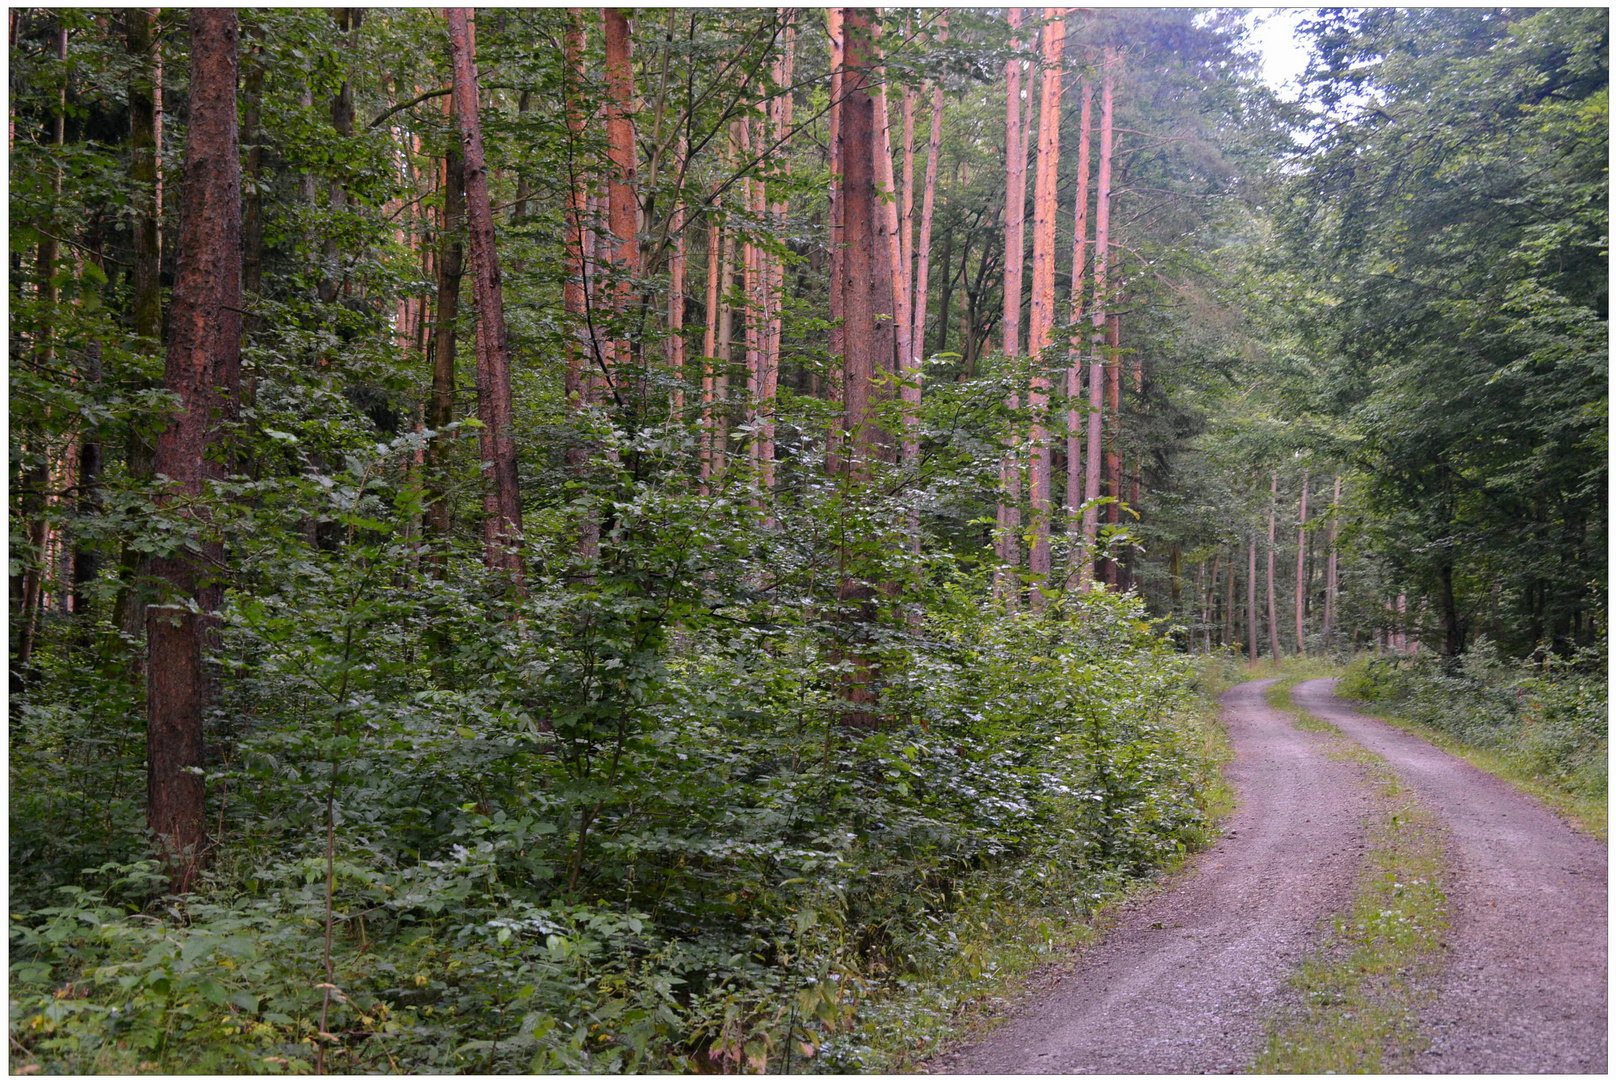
[{"x": 1524, "y": 986}]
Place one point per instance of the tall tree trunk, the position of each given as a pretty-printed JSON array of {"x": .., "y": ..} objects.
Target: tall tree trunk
[
  {"x": 37, "y": 479},
  {"x": 440, "y": 406},
  {"x": 1301, "y": 568},
  {"x": 1273, "y": 614},
  {"x": 146, "y": 303},
  {"x": 1228, "y": 603},
  {"x": 1251, "y": 598},
  {"x": 1113, "y": 425},
  {"x": 1015, "y": 210},
  {"x": 585, "y": 371},
  {"x": 859, "y": 266},
  {"x": 676, "y": 301},
  {"x": 203, "y": 371},
  {"x": 927, "y": 209},
  {"x": 894, "y": 352},
  {"x": 502, "y": 506},
  {"x": 1210, "y": 606},
  {"x": 1074, "y": 370},
  {"x": 709, "y": 345},
  {"x": 1041, "y": 326},
  {"x": 834, "y": 217},
  {"x": 774, "y": 287},
  {"x": 624, "y": 204},
  {"x": 1330, "y": 571},
  {"x": 1097, "y": 318}
]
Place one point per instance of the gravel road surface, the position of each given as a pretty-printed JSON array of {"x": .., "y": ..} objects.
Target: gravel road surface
[
  {"x": 1524, "y": 987},
  {"x": 1187, "y": 978}
]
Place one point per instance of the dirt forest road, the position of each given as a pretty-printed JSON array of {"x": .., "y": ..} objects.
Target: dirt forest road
[
  {"x": 1187, "y": 979},
  {"x": 1524, "y": 988}
]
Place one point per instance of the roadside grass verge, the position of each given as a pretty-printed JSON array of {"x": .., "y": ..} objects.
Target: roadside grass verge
[{"x": 1360, "y": 992}]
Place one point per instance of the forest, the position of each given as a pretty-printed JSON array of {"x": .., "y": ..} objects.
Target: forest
[{"x": 692, "y": 539}]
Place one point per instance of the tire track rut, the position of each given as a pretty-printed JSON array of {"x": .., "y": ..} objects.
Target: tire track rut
[{"x": 1524, "y": 988}]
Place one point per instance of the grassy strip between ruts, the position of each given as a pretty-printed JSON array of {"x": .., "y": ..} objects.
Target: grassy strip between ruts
[{"x": 1360, "y": 992}]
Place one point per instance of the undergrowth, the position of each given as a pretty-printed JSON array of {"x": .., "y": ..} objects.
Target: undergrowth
[{"x": 730, "y": 879}]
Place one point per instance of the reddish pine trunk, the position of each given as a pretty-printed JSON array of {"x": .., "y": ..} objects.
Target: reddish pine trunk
[
  {"x": 204, "y": 371},
  {"x": 1097, "y": 319},
  {"x": 1113, "y": 423},
  {"x": 927, "y": 209},
  {"x": 1015, "y": 209},
  {"x": 775, "y": 285},
  {"x": 1041, "y": 326},
  {"x": 1228, "y": 604},
  {"x": 833, "y": 224},
  {"x": 860, "y": 267},
  {"x": 623, "y": 201},
  {"x": 1074, "y": 372},
  {"x": 502, "y": 507}
]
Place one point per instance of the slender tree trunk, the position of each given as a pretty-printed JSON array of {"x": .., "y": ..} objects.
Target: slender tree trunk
[
  {"x": 1113, "y": 424},
  {"x": 834, "y": 216},
  {"x": 1210, "y": 599},
  {"x": 1041, "y": 327},
  {"x": 585, "y": 369},
  {"x": 927, "y": 209},
  {"x": 1301, "y": 567},
  {"x": 895, "y": 353},
  {"x": 1251, "y": 598},
  {"x": 1009, "y": 514},
  {"x": 676, "y": 303},
  {"x": 440, "y": 406},
  {"x": 1097, "y": 317},
  {"x": 1273, "y": 614},
  {"x": 1074, "y": 370},
  {"x": 502, "y": 506},
  {"x": 1330, "y": 571},
  {"x": 624, "y": 204},
  {"x": 203, "y": 370},
  {"x": 145, "y": 308},
  {"x": 709, "y": 345},
  {"x": 775, "y": 285},
  {"x": 1228, "y": 604}
]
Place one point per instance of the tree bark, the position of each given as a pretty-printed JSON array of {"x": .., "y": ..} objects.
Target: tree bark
[
  {"x": 1074, "y": 370},
  {"x": 440, "y": 406},
  {"x": 1301, "y": 568},
  {"x": 859, "y": 266},
  {"x": 1015, "y": 198},
  {"x": 1097, "y": 318},
  {"x": 622, "y": 195},
  {"x": 1040, "y": 330},
  {"x": 583, "y": 361},
  {"x": 502, "y": 507},
  {"x": 927, "y": 210},
  {"x": 146, "y": 303},
  {"x": 1251, "y": 599},
  {"x": 1330, "y": 571},
  {"x": 1113, "y": 426},
  {"x": 1273, "y": 614},
  {"x": 203, "y": 370}
]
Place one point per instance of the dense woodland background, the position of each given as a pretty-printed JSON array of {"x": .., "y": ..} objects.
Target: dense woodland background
[{"x": 698, "y": 539}]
